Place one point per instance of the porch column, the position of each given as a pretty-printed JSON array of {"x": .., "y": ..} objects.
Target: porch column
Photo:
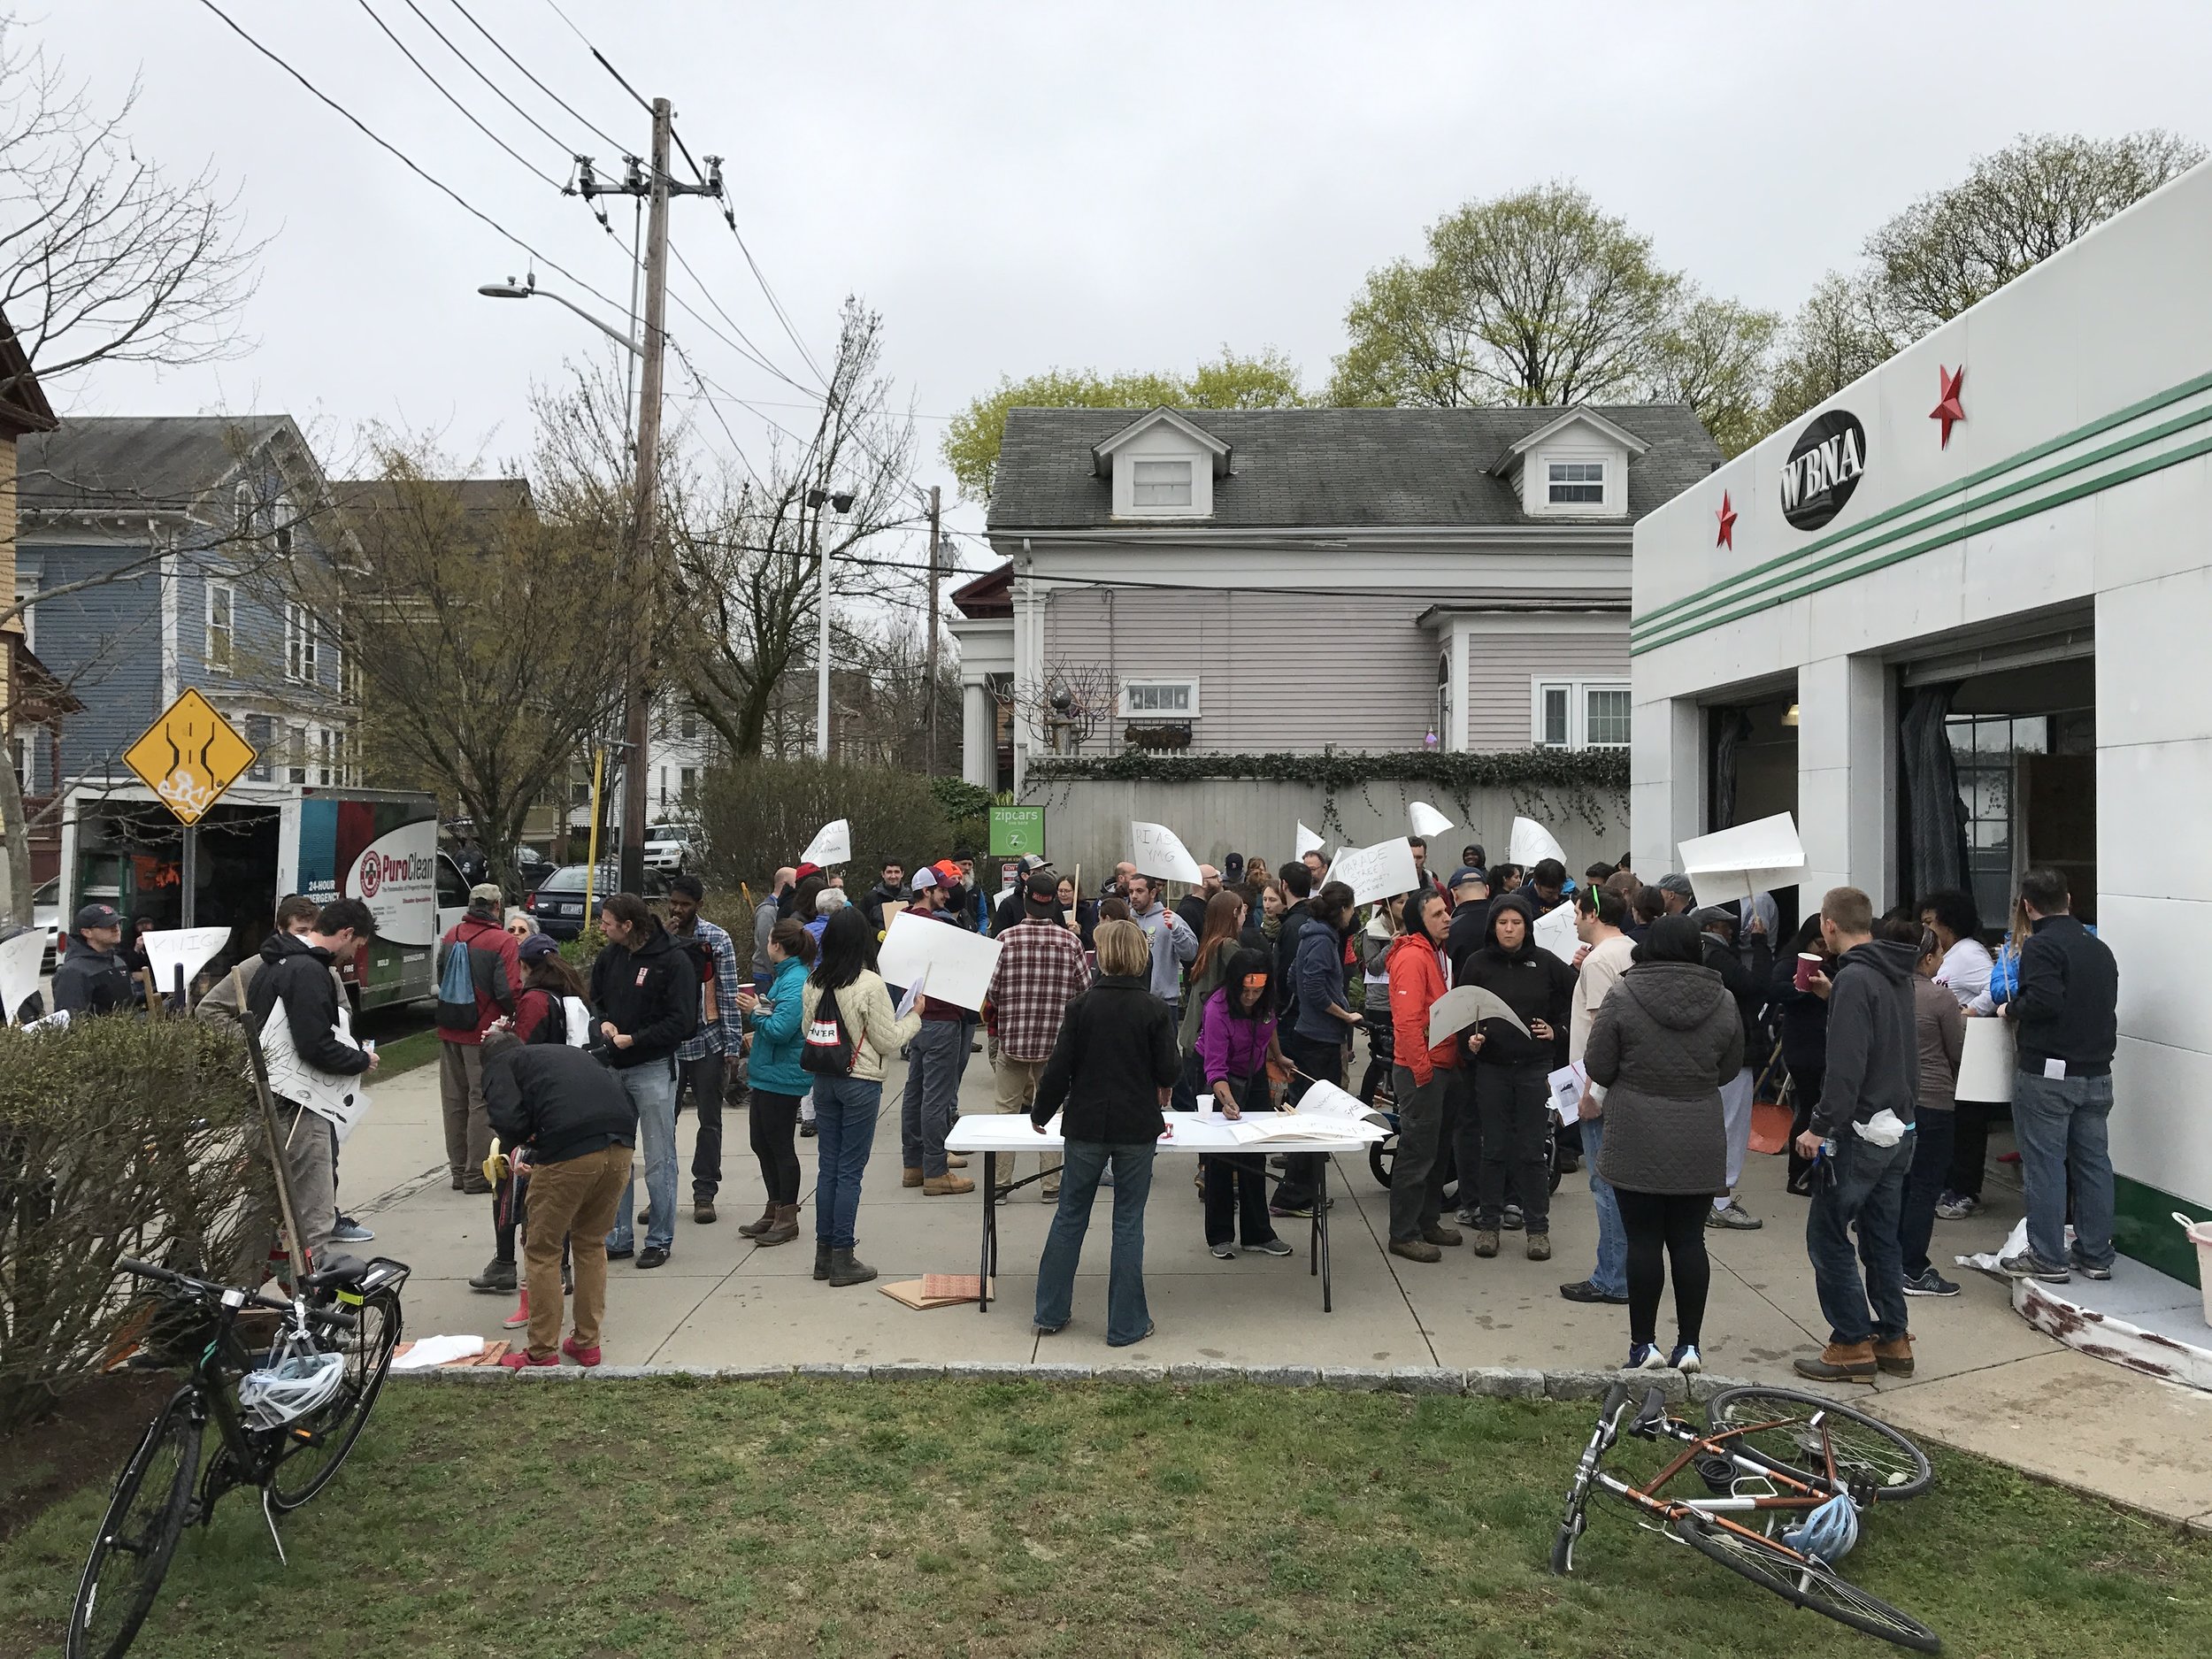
[
  {"x": 1847, "y": 773},
  {"x": 979, "y": 736}
]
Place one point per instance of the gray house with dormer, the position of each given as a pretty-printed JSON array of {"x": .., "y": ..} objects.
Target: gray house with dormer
[{"x": 152, "y": 550}]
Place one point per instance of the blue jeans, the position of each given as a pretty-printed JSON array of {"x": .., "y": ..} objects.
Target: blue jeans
[
  {"x": 1869, "y": 1188},
  {"x": 2060, "y": 1126},
  {"x": 651, "y": 1087},
  {"x": 934, "y": 1061},
  {"x": 1127, "y": 1318},
  {"x": 845, "y": 1110},
  {"x": 1610, "y": 1275}
]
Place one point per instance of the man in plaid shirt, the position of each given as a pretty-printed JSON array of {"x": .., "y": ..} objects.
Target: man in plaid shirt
[
  {"x": 1040, "y": 969},
  {"x": 715, "y": 1053}
]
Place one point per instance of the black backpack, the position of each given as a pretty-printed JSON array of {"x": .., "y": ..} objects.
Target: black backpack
[{"x": 828, "y": 1049}]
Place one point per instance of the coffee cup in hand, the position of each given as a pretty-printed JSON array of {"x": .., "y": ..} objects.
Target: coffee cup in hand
[{"x": 1808, "y": 966}]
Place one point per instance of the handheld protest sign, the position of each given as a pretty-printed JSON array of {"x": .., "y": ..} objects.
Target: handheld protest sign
[
  {"x": 832, "y": 844},
  {"x": 1532, "y": 843},
  {"x": 21, "y": 959},
  {"x": 1307, "y": 842},
  {"x": 1375, "y": 872},
  {"x": 956, "y": 962},
  {"x": 1556, "y": 933},
  {"x": 1426, "y": 820},
  {"x": 177, "y": 954},
  {"x": 1156, "y": 850},
  {"x": 1745, "y": 861}
]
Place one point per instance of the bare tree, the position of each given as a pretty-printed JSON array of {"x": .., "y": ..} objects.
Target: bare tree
[
  {"x": 1068, "y": 704},
  {"x": 749, "y": 551}
]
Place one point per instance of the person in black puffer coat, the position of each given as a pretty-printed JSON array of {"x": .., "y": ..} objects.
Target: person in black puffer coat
[{"x": 1511, "y": 1095}]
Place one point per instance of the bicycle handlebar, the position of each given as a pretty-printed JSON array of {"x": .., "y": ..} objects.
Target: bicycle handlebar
[{"x": 334, "y": 1317}]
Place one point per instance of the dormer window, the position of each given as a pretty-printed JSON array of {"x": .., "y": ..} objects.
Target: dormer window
[
  {"x": 1161, "y": 484},
  {"x": 1576, "y": 482}
]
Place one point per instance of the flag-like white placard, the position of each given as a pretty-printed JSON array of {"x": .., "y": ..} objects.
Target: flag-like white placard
[
  {"x": 1532, "y": 843},
  {"x": 1465, "y": 1005},
  {"x": 21, "y": 959},
  {"x": 1426, "y": 820},
  {"x": 1307, "y": 842},
  {"x": 1556, "y": 933},
  {"x": 1987, "y": 1063},
  {"x": 832, "y": 844},
  {"x": 957, "y": 963},
  {"x": 1156, "y": 850},
  {"x": 328, "y": 1094},
  {"x": 913, "y": 997},
  {"x": 1375, "y": 872},
  {"x": 190, "y": 949},
  {"x": 1747, "y": 860}
]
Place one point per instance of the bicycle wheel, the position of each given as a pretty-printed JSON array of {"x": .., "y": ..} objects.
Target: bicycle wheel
[
  {"x": 314, "y": 1447},
  {"x": 1890, "y": 1466},
  {"x": 1380, "y": 1155},
  {"x": 138, "y": 1534},
  {"x": 1809, "y": 1583}
]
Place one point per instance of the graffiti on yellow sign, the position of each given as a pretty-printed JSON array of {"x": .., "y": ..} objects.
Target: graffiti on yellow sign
[{"x": 189, "y": 756}]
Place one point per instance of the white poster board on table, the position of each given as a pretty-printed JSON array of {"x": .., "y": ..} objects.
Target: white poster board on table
[
  {"x": 1426, "y": 820},
  {"x": 1156, "y": 850},
  {"x": 958, "y": 964},
  {"x": 1375, "y": 872},
  {"x": 1987, "y": 1063},
  {"x": 832, "y": 844},
  {"x": 190, "y": 949},
  {"x": 1532, "y": 843},
  {"x": 1744, "y": 862}
]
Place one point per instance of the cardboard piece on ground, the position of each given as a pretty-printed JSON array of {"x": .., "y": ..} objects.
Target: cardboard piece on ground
[
  {"x": 1307, "y": 842},
  {"x": 1556, "y": 933},
  {"x": 190, "y": 949},
  {"x": 1465, "y": 1005},
  {"x": 1532, "y": 843},
  {"x": 937, "y": 1290},
  {"x": 1744, "y": 862},
  {"x": 1987, "y": 1063},
  {"x": 1426, "y": 820},
  {"x": 1156, "y": 850},
  {"x": 426, "y": 1352},
  {"x": 958, "y": 964},
  {"x": 832, "y": 844},
  {"x": 21, "y": 959},
  {"x": 1376, "y": 872}
]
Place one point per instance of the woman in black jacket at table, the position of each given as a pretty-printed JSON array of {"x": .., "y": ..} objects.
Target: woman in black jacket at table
[{"x": 1107, "y": 1077}]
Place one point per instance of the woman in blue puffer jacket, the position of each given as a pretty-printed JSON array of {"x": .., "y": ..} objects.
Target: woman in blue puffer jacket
[{"x": 777, "y": 1078}]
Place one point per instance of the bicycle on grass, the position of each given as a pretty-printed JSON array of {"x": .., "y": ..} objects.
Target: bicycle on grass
[
  {"x": 1768, "y": 1456},
  {"x": 284, "y": 1417}
]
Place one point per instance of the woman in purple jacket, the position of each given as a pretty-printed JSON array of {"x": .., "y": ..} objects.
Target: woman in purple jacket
[{"x": 1236, "y": 1043}]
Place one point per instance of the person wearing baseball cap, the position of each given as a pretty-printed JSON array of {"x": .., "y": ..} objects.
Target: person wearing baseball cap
[{"x": 92, "y": 977}]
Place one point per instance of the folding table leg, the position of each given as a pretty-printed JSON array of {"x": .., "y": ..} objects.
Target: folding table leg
[
  {"x": 990, "y": 1233},
  {"x": 1321, "y": 1228}
]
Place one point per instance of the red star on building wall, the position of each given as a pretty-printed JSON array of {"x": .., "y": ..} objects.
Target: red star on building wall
[
  {"x": 1949, "y": 410},
  {"x": 1727, "y": 517}
]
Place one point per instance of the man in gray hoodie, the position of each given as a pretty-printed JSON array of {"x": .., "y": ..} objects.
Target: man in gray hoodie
[{"x": 1873, "y": 1067}]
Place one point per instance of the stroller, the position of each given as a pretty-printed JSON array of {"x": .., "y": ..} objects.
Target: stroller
[{"x": 1382, "y": 1156}]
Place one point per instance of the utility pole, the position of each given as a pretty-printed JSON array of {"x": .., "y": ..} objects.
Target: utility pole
[
  {"x": 929, "y": 677},
  {"x": 643, "y": 579}
]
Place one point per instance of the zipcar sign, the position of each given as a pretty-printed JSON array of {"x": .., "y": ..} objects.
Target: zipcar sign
[{"x": 1823, "y": 468}]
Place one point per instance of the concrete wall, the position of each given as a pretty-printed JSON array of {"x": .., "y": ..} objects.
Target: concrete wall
[{"x": 1088, "y": 822}]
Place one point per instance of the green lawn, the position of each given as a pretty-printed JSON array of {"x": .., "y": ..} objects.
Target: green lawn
[{"x": 676, "y": 1520}]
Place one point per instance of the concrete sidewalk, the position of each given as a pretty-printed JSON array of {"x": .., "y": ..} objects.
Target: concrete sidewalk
[{"x": 1987, "y": 1381}]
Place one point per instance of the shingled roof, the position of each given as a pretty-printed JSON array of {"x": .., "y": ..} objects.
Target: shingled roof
[
  {"x": 124, "y": 464},
  {"x": 1382, "y": 468}
]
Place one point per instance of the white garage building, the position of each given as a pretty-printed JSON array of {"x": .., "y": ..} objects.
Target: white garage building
[{"x": 1956, "y": 620}]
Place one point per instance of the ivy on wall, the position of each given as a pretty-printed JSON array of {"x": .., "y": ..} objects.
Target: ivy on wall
[{"x": 1549, "y": 785}]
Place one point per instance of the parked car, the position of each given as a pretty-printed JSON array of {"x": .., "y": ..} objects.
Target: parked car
[
  {"x": 532, "y": 867},
  {"x": 668, "y": 848},
  {"x": 46, "y": 914},
  {"x": 558, "y": 901}
]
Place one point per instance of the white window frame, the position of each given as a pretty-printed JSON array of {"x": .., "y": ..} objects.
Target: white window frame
[
  {"x": 295, "y": 754},
  {"x": 1130, "y": 712},
  {"x": 27, "y": 618},
  {"x": 228, "y": 592},
  {"x": 1578, "y": 711},
  {"x": 1553, "y": 483},
  {"x": 21, "y": 756},
  {"x": 301, "y": 646},
  {"x": 280, "y": 521},
  {"x": 1138, "y": 484}
]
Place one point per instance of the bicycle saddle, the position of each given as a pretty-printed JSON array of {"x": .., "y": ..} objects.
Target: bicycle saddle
[{"x": 338, "y": 1270}]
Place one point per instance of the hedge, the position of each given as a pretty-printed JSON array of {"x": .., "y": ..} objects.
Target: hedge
[{"x": 756, "y": 815}]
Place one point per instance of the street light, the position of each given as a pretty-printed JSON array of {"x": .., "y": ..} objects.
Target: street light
[
  {"x": 528, "y": 288},
  {"x": 842, "y": 501}
]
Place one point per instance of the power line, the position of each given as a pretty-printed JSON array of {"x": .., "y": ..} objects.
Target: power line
[
  {"x": 467, "y": 114},
  {"x": 749, "y": 349},
  {"x": 602, "y": 132},
  {"x": 405, "y": 160},
  {"x": 602, "y": 56},
  {"x": 499, "y": 91}
]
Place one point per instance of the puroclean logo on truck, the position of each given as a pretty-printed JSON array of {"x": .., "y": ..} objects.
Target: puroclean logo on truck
[
  {"x": 396, "y": 876},
  {"x": 378, "y": 868}
]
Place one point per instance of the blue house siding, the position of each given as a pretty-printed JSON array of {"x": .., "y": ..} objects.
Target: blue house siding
[{"x": 103, "y": 643}]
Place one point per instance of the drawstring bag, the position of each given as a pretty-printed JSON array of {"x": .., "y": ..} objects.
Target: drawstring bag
[{"x": 828, "y": 1050}]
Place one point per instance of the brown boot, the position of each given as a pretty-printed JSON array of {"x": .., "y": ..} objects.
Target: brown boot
[
  {"x": 946, "y": 1184},
  {"x": 1439, "y": 1234},
  {"x": 754, "y": 1229},
  {"x": 1893, "y": 1355},
  {"x": 1416, "y": 1250},
  {"x": 1486, "y": 1240},
  {"x": 1540, "y": 1247},
  {"x": 912, "y": 1178},
  {"x": 954, "y": 1161},
  {"x": 786, "y": 1228},
  {"x": 1840, "y": 1361}
]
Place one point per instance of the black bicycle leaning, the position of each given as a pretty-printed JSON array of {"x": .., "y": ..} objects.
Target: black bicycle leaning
[{"x": 285, "y": 1416}]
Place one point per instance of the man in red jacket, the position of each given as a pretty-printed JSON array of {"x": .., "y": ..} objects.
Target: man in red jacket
[
  {"x": 495, "y": 978},
  {"x": 1426, "y": 1081}
]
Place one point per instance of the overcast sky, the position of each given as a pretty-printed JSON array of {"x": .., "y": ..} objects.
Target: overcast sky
[{"x": 1019, "y": 186}]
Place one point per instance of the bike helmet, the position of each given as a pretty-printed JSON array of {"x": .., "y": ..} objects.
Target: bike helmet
[
  {"x": 290, "y": 1389},
  {"x": 1829, "y": 1531}
]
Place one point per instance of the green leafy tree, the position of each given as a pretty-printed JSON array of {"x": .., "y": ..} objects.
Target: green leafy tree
[
  {"x": 1716, "y": 355},
  {"x": 1267, "y": 381},
  {"x": 1837, "y": 335}
]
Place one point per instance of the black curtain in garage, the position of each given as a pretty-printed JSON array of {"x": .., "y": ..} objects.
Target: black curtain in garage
[{"x": 1935, "y": 820}]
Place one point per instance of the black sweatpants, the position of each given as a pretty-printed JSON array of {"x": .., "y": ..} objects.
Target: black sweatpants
[
  {"x": 1664, "y": 1228},
  {"x": 773, "y": 1120},
  {"x": 1511, "y": 1101},
  {"x": 1314, "y": 1059}
]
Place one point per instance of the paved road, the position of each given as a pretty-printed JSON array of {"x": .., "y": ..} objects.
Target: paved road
[{"x": 1987, "y": 1381}]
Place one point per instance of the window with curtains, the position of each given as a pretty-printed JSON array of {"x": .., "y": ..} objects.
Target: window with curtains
[{"x": 1161, "y": 484}]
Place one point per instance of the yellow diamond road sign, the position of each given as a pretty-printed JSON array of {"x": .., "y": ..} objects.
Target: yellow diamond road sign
[{"x": 189, "y": 756}]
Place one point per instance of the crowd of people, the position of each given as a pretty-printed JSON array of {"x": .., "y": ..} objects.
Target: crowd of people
[{"x": 1103, "y": 1010}]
